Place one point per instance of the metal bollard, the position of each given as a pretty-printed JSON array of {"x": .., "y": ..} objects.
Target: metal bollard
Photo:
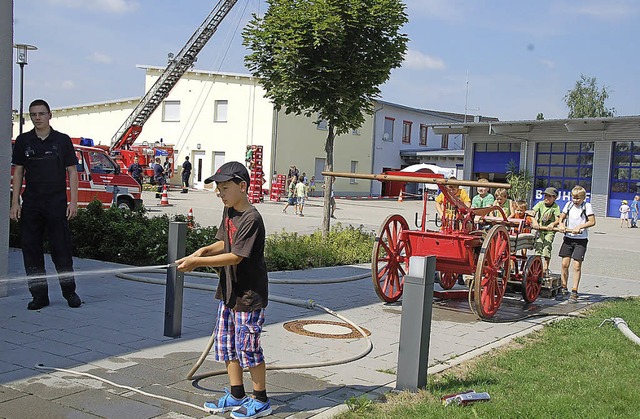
[
  {"x": 415, "y": 325},
  {"x": 175, "y": 281}
]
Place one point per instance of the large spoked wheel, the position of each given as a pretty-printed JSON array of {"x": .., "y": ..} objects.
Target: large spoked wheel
[
  {"x": 492, "y": 273},
  {"x": 448, "y": 280},
  {"x": 390, "y": 261},
  {"x": 532, "y": 278}
]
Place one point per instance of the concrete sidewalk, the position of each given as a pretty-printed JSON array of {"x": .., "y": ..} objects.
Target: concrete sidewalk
[{"x": 117, "y": 334}]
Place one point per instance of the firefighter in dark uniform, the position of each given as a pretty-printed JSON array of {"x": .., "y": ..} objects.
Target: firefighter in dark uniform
[
  {"x": 158, "y": 174},
  {"x": 44, "y": 157},
  {"x": 135, "y": 170}
]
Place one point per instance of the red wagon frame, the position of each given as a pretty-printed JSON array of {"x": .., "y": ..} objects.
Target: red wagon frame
[{"x": 470, "y": 242}]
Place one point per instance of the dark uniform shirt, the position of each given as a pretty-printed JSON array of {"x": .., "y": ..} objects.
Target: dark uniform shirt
[
  {"x": 243, "y": 287},
  {"x": 186, "y": 167},
  {"x": 135, "y": 170},
  {"x": 158, "y": 171},
  {"x": 44, "y": 161}
]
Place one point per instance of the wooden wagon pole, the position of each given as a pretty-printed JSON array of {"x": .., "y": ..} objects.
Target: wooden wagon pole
[{"x": 415, "y": 179}]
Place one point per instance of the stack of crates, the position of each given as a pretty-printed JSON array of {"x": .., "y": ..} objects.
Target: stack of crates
[
  {"x": 278, "y": 185},
  {"x": 257, "y": 175}
]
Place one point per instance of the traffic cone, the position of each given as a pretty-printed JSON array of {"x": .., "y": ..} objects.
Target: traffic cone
[
  {"x": 164, "y": 201},
  {"x": 190, "y": 218},
  {"x": 400, "y": 196}
]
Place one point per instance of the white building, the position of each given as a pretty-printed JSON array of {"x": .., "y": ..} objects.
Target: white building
[{"x": 404, "y": 137}]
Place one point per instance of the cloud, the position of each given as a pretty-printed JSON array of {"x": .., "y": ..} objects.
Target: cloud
[
  {"x": 548, "y": 63},
  {"x": 418, "y": 61},
  {"x": 110, "y": 6},
  {"x": 68, "y": 85},
  {"x": 101, "y": 58},
  {"x": 612, "y": 10}
]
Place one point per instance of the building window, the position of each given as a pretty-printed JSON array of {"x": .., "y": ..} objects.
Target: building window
[
  {"x": 406, "y": 132},
  {"x": 423, "y": 134},
  {"x": 493, "y": 158},
  {"x": 444, "y": 142},
  {"x": 319, "y": 166},
  {"x": 221, "y": 107},
  {"x": 354, "y": 169},
  {"x": 171, "y": 111},
  {"x": 323, "y": 124},
  {"x": 388, "y": 129},
  {"x": 497, "y": 147},
  {"x": 625, "y": 167},
  {"x": 563, "y": 166}
]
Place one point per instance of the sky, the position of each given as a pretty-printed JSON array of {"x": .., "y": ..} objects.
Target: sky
[{"x": 509, "y": 59}]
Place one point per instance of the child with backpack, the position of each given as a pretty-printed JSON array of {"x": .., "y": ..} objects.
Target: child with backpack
[{"x": 576, "y": 217}]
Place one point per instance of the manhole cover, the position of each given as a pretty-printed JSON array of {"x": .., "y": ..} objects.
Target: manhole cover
[{"x": 324, "y": 329}]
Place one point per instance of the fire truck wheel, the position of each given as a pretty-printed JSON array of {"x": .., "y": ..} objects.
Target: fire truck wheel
[{"x": 124, "y": 203}]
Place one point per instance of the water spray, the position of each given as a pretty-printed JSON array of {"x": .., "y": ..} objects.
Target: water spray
[{"x": 95, "y": 272}]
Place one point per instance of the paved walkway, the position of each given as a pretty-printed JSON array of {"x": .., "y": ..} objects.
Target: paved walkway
[{"x": 118, "y": 335}]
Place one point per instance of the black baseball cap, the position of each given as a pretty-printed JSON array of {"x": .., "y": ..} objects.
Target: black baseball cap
[{"x": 229, "y": 171}]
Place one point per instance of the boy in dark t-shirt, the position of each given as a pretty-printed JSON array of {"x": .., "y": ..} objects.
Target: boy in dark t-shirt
[{"x": 242, "y": 291}]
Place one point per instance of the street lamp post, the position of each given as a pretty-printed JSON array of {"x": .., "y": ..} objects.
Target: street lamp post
[{"x": 21, "y": 60}]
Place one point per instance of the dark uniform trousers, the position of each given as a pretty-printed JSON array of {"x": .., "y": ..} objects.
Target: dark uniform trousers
[{"x": 46, "y": 213}]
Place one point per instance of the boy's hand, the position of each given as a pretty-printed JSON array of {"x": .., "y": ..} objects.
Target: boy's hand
[{"x": 187, "y": 264}]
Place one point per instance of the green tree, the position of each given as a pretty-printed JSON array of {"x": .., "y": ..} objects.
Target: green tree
[
  {"x": 326, "y": 59},
  {"x": 540, "y": 116},
  {"x": 586, "y": 100}
]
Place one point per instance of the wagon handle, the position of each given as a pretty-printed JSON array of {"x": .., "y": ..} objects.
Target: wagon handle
[
  {"x": 555, "y": 229},
  {"x": 415, "y": 179}
]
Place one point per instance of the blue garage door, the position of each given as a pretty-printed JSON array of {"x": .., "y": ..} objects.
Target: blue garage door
[
  {"x": 495, "y": 157},
  {"x": 625, "y": 174}
]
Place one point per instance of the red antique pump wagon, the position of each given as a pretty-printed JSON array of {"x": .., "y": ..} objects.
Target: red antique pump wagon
[{"x": 480, "y": 246}]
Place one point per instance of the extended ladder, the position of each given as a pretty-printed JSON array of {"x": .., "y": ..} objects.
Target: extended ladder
[{"x": 130, "y": 130}]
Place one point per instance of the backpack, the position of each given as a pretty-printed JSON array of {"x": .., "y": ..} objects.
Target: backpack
[{"x": 583, "y": 214}]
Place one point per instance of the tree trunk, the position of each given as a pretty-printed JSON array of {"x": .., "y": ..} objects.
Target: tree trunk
[{"x": 328, "y": 182}]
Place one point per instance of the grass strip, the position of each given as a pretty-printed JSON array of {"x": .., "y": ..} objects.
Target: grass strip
[{"x": 572, "y": 368}]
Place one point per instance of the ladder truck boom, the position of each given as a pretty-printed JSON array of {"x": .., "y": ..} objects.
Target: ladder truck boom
[{"x": 130, "y": 130}]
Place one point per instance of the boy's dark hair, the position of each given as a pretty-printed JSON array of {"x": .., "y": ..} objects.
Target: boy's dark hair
[
  {"x": 40, "y": 102},
  {"x": 521, "y": 203}
]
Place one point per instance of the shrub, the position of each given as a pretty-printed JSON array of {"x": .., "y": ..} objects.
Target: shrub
[
  {"x": 344, "y": 246},
  {"x": 127, "y": 237},
  {"x": 132, "y": 238}
]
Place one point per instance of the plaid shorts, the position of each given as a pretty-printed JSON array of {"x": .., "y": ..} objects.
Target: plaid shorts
[{"x": 237, "y": 336}]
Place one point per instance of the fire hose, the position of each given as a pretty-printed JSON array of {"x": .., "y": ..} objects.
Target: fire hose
[
  {"x": 623, "y": 327},
  {"x": 308, "y": 304}
]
